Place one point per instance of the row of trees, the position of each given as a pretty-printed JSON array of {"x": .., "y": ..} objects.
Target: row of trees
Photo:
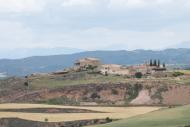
[{"x": 156, "y": 63}]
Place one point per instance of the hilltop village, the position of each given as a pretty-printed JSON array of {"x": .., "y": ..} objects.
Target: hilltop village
[
  {"x": 151, "y": 68},
  {"x": 94, "y": 63}
]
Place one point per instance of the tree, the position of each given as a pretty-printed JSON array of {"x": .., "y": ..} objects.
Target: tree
[
  {"x": 151, "y": 62},
  {"x": 26, "y": 84},
  {"x": 158, "y": 63},
  {"x": 155, "y": 63},
  {"x": 164, "y": 65},
  {"x": 138, "y": 75}
]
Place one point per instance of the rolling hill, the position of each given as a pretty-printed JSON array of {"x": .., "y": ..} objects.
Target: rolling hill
[{"x": 21, "y": 67}]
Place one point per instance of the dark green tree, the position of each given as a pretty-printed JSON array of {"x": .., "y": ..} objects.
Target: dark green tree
[
  {"x": 158, "y": 63},
  {"x": 155, "y": 63},
  {"x": 164, "y": 65},
  {"x": 151, "y": 62}
]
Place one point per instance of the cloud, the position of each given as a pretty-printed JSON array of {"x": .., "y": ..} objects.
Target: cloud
[
  {"x": 71, "y": 3},
  {"x": 21, "y": 5},
  {"x": 15, "y": 35},
  {"x": 93, "y": 24},
  {"x": 119, "y": 4}
]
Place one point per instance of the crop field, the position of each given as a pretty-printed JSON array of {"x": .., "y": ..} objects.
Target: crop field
[
  {"x": 111, "y": 112},
  {"x": 174, "y": 117}
]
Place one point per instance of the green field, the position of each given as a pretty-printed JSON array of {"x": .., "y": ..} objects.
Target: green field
[{"x": 174, "y": 117}]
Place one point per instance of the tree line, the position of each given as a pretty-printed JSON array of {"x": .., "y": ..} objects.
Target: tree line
[{"x": 156, "y": 63}]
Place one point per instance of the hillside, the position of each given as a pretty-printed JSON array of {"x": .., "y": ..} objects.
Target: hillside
[
  {"x": 85, "y": 88},
  {"x": 22, "y": 67},
  {"x": 175, "y": 117}
]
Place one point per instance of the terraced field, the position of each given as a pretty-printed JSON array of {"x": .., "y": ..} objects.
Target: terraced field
[{"x": 103, "y": 112}]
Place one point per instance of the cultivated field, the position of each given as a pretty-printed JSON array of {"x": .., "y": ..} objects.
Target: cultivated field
[{"x": 111, "y": 112}]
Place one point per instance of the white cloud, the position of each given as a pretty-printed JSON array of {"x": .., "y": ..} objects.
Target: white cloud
[
  {"x": 105, "y": 39},
  {"x": 71, "y": 3},
  {"x": 101, "y": 28},
  {"x": 163, "y": 1},
  {"x": 119, "y": 4},
  {"x": 15, "y": 35},
  {"x": 130, "y": 4},
  {"x": 21, "y": 5}
]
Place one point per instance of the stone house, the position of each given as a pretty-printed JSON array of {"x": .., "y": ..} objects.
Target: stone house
[
  {"x": 143, "y": 68},
  {"x": 114, "y": 69},
  {"x": 82, "y": 64}
]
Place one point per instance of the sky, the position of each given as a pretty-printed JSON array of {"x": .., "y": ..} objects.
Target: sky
[{"x": 93, "y": 24}]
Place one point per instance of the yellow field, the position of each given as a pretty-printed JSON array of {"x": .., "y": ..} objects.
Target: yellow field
[{"x": 111, "y": 112}]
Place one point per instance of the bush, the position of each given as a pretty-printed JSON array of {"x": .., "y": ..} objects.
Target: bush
[
  {"x": 46, "y": 120},
  {"x": 95, "y": 95},
  {"x": 138, "y": 75},
  {"x": 108, "y": 120},
  {"x": 177, "y": 74},
  {"x": 114, "y": 91},
  {"x": 26, "y": 84}
]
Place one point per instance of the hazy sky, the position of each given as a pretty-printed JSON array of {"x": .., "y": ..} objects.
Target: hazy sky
[{"x": 94, "y": 24}]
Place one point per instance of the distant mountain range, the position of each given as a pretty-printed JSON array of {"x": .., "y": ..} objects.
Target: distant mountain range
[
  {"x": 28, "y": 52},
  {"x": 21, "y": 67}
]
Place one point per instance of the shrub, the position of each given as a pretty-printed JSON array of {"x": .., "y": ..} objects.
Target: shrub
[
  {"x": 46, "y": 120},
  {"x": 95, "y": 121},
  {"x": 177, "y": 74},
  {"x": 26, "y": 84},
  {"x": 114, "y": 91},
  {"x": 108, "y": 120},
  {"x": 95, "y": 95},
  {"x": 138, "y": 75}
]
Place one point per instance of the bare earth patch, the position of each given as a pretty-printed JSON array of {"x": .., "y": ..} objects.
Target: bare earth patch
[{"x": 143, "y": 98}]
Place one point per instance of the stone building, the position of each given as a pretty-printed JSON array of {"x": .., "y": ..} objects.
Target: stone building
[
  {"x": 84, "y": 63},
  {"x": 114, "y": 69}
]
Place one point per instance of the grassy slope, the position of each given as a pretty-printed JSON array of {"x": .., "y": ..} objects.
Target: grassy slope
[
  {"x": 86, "y": 78},
  {"x": 176, "y": 117},
  {"x": 75, "y": 79}
]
